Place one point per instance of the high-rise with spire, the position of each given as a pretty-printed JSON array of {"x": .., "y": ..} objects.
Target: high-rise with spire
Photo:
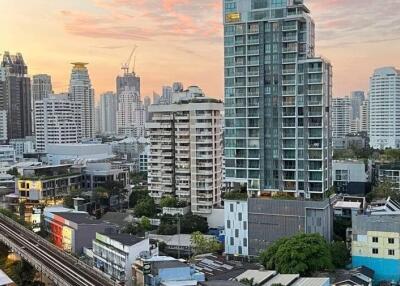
[
  {"x": 15, "y": 95},
  {"x": 81, "y": 91},
  {"x": 277, "y": 99}
]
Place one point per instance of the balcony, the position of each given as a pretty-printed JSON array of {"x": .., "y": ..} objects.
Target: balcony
[
  {"x": 288, "y": 71},
  {"x": 253, "y": 63},
  {"x": 290, "y": 39}
]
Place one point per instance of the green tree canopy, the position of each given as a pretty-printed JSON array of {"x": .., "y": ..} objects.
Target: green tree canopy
[
  {"x": 137, "y": 196},
  {"x": 191, "y": 223},
  {"x": 168, "y": 202},
  {"x": 340, "y": 254},
  {"x": 383, "y": 190},
  {"x": 146, "y": 207},
  {"x": 301, "y": 253},
  {"x": 202, "y": 244}
]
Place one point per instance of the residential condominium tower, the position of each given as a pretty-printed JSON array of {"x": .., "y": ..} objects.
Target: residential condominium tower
[
  {"x": 57, "y": 121},
  {"x": 15, "y": 95},
  {"x": 80, "y": 91},
  {"x": 108, "y": 113},
  {"x": 185, "y": 158},
  {"x": 130, "y": 114},
  {"x": 384, "y": 108},
  {"x": 341, "y": 116},
  {"x": 277, "y": 99},
  {"x": 41, "y": 86}
]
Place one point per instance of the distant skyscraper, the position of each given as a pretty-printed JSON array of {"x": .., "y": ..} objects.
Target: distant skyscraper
[
  {"x": 3, "y": 126},
  {"x": 341, "y": 117},
  {"x": 80, "y": 91},
  {"x": 130, "y": 114},
  {"x": 15, "y": 96},
  {"x": 277, "y": 99},
  {"x": 108, "y": 113},
  {"x": 177, "y": 87},
  {"x": 41, "y": 86},
  {"x": 357, "y": 99},
  {"x": 156, "y": 98},
  {"x": 57, "y": 121},
  {"x": 364, "y": 116},
  {"x": 384, "y": 101},
  {"x": 129, "y": 80},
  {"x": 146, "y": 104},
  {"x": 166, "y": 97}
]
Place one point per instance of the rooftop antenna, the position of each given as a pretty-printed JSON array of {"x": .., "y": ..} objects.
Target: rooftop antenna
[{"x": 125, "y": 66}]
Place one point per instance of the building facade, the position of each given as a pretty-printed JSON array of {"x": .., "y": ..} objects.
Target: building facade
[
  {"x": 357, "y": 99},
  {"x": 186, "y": 151},
  {"x": 81, "y": 92},
  {"x": 16, "y": 96},
  {"x": 3, "y": 125},
  {"x": 277, "y": 99},
  {"x": 384, "y": 107},
  {"x": 41, "y": 87},
  {"x": 376, "y": 245},
  {"x": 364, "y": 117},
  {"x": 341, "y": 117},
  {"x": 351, "y": 177},
  {"x": 130, "y": 114},
  {"x": 108, "y": 113},
  {"x": 128, "y": 80},
  {"x": 57, "y": 121},
  {"x": 236, "y": 227}
]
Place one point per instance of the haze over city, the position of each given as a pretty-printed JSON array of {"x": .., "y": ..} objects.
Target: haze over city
[{"x": 182, "y": 40}]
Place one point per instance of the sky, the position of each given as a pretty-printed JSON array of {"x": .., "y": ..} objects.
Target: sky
[{"x": 181, "y": 40}]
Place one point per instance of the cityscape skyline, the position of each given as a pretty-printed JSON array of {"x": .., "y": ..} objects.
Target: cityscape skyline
[{"x": 108, "y": 30}]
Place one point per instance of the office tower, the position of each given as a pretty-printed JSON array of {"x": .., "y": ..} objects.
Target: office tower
[
  {"x": 186, "y": 151},
  {"x": 146, "y": 104},
  {"x": 166, "y": 97},
  {"x": 277, "y": 99},
  {"x": 364, "y": 116},
  {"x": 128, "y": 80},
  {"x": 57, "y": 121},
  {"x": 80, "y": 91},
  {"x": 341, "y": 117},
  {"x": 357, "y": 99},
  {"x": 177, "y": 87},
  {"x": 16, "y": 96},
  {"x": 41, "y": 86},
  {"x": 384, "y": 101},
  {"x": 108, "y": 113},
  {"x": 130, "y": 114}
]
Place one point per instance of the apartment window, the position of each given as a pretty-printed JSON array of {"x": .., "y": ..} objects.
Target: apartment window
[
  {"x": 228, "y": 224},
  {"x": 245, "y": 225},
  {"x": 375, "y": 251},
  {"x": 391, "y": 252},
  {"x": 240, "y": 250},
  {"x": 391, "y": 240},
  {"x": 240, "y": 216},
  {"x": 231, "y": 207},
  {"x": 375, "y": 239},
  {"x": 236, "y": 233},
  {"x": 245, "y": 242},
  {"x": 232, "y": 241}
]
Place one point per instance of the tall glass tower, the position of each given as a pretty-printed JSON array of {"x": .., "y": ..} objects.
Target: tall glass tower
[{"x": 277, "y": 100}]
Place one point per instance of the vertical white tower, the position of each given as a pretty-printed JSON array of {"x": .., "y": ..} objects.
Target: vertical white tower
[
  {"x": 108, "y": 113},
  {"x": 130, "y": 114},
  {"x": 80, "y": 91},
  {"x": 341, "y": 117},
  {"x": 384, "y": 100}
]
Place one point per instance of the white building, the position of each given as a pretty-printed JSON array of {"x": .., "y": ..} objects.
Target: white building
[
  {"x": 57, "y": 121},
  {"x": 130, "y": 114},
  {"x": 186, "y": 150},
  {"x": 7, "y": 154},
  {"x": 108, "y": 113},
  {"x": 114, "y": 254},
  {"x": 341, "y": 117},
  {"x": 236, "y": 227},
  {"x": 384, "y": 100},
  {"x": 364, "y": 116},
  {"x": 23, "y": 146},
  {"x": 58, "y": 153},
  {"x": 80, "y": 91},
  {"x": 3, "y": 125},
  {"x": 350, "y": 176}
]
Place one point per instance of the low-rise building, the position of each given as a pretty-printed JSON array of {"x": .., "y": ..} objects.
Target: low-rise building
[
  {"x": 268, "y": 220},
  {"x": 7, "y": 154},
  {"x": 163, "y": 270},
  {"x": 72, "y": 231},
  {"x": 391, "y": 173},
  {"x": 376, "y": 244},
  {"x": 351, "y": 177},
  {"x": 23, "y": 146},
  {"x": 361, "y": 276},
  {"x": 114, "y": 254}
]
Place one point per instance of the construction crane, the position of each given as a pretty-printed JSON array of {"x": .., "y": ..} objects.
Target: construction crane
[{"x": 125, "y": 66}]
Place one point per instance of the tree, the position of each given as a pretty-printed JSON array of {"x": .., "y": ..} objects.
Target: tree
[
  {"x": 146, "y": 207},
  {"x": 301, "y": 253},
  {"x": 69, "y": 199},
  {"x": 191, "y": 223},
  {"x": 13, "y": 172},
  {"x": 168, "y": 202},
  {"x": 137, "y": 196},
  {"x": 383, "y": 190},
  {"x": 247, "y": 281},
  {"x": 145, "y": 224},
  {"x": 340, "y": 225},
  {"x": 202, "y": 244},
  {"x": 340, "y": 254}
]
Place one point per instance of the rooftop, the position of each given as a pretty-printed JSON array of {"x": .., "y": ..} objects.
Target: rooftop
[
  {"x": 258, "y": 276},
  {"x": 221, "y": 283},
  {"x": 311, "y": 282},
  {"x": 78, "y": 218},
  {"x": 284, "y": 279},
  {"x": 347, "y": 205},
  {"x": 125, "y": 239}
]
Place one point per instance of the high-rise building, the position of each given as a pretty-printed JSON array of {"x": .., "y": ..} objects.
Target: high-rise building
[
  {"x": 185, "y": 158},
  {"x": 364, "y": 116},
  {"x": 129, "y": 80},
  {"x": 357, "y": 99},
  {"x": 15, "y": 96},
  {"x": 341, "y": 117},
  {"x": 41, "y": 86},
  {"x": 81, "y": 91},
  {"x": 166, "y": 97},
  {"x": 3, "y": 126},
  {"x": 384, "y": 108},
  {"x": 156, "y": 98},
  {"x": 130, "y": 114},
  {"x": 146, "y": 104},
  {"x": 277, "y": 99},
  {"x": 57, "y": 121},
  {"x": 108, "y": 113}
]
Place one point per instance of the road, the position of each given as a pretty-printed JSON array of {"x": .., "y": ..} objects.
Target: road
[{"x": 63, "y": 266}]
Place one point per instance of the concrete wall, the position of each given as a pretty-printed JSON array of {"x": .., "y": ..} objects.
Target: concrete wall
[{"x": 236, "y": 224}]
